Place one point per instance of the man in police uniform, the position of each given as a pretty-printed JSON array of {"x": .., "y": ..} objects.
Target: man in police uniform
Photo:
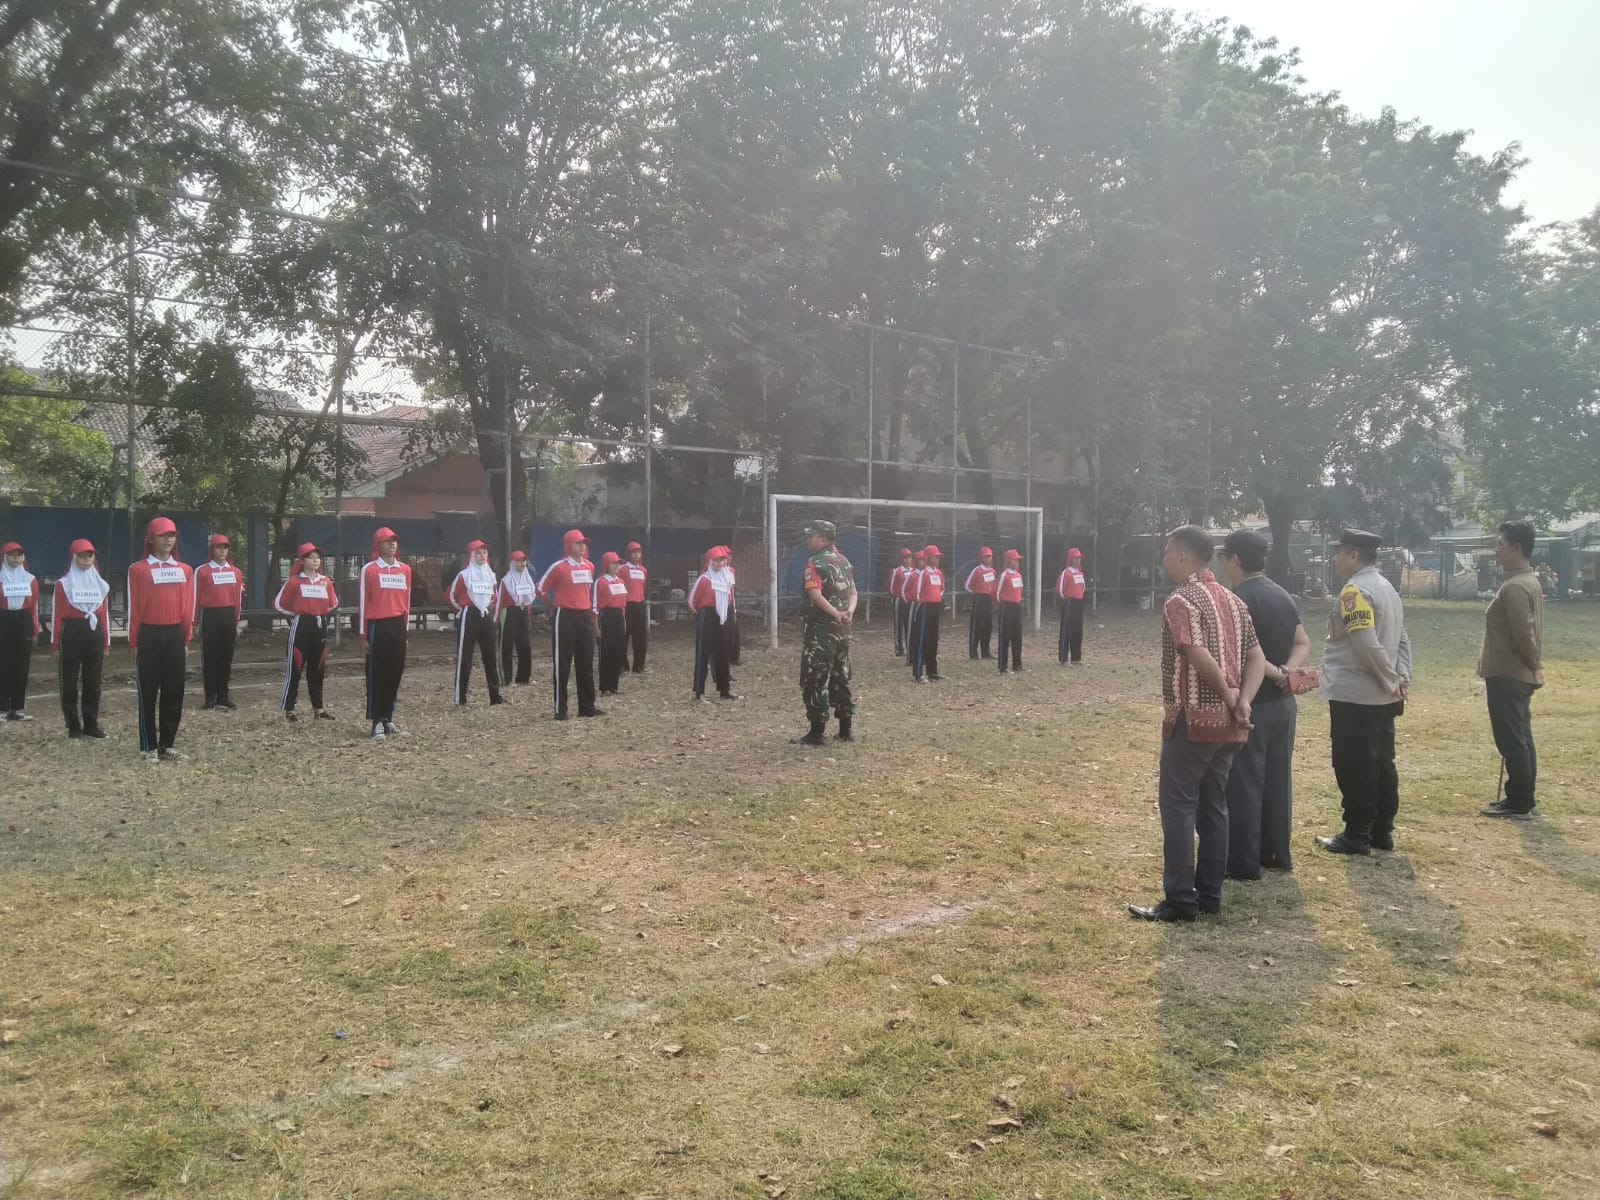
[
  {"x": 830, "y": 607},
  {"x": 1366, "y": 669}
]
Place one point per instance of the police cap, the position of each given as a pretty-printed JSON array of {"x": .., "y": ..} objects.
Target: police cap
[{"x": 1360, "y": 539}]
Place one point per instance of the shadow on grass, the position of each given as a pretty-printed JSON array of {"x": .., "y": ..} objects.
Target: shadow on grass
[
  {"x": 1410, "y": 920},
  {"x": 1233, "y": 988},
  {"x": 1548, "y": 846}
]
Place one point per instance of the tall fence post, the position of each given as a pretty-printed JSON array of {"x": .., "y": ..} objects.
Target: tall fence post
[
  {"x": 955, "y": 465},
  {"x": 132, "y": 364},
  {"x": 872, "y": 430},
  {"x": 649, "y": 513}
]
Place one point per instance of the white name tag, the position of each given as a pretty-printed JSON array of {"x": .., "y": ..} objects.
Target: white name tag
[
  {"x": 617, "y": 587},
  {"x": 635, "y": 572},
  {"x": 314, "y": 591},
  {"x": 481, "y": 589},
  {"x": 82, "y": 600},
  {"x": 584, "y": 576},
  {"x": 18, "y": 591},
  {"x": 720, "y": 585},
  {"x": 391, "y": 581},
  {"x": 221, "y": 577},
  {"x": 166, "y": 574},
  {"x": 934, "y": 578},
  {"x": 988, "y": 576}
]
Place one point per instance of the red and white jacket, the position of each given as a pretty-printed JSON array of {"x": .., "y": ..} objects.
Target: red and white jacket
[
  {"x": 304, "y": 595},
  {"x": 930, "y": 586},
  {"x": 384, "y": 589},
  {"x": 1070, "y": 585},
  {"x": 569, "y": 583},
  {"x": 1008, "y": 588},
  {"x": 611, "y": 591},
  {"x": 19, "y": 591},
  {"x": 476, "y": 586},
  {"x": 218, "y": 585},
  {"x": 635, "y": 576},
  {"x": 160, "y": 593},
  {"x": 981, "y": 580},
  {"x": 908, "y": 585}
]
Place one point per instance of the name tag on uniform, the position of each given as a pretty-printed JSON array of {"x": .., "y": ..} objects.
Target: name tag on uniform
[
  {"x": 1074, "y": 574},
  {"x": 617, "y": 587},
  {"x": 935, "y": 578},
  {"x": 988, "y": 576},
  {"x": 166, "y": 574},
  {"x": 18, "y": 591},
  {"x": 314, "y": 591},
  {"x": 221, "y": 577},
  {"x": 584, "y": 576},
  {"x": 391, "y": 581},
  {"x": 480, "y": 588},
  {"x": 83, "y": 600},
  {"x": 636, "y": 572}
]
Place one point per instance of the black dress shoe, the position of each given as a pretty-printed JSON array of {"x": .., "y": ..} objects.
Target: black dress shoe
[
  {"x": 1509, "y": 814},
  {"x": 1340, "y": 844},
  {"x": 592, "y": 712},
  {"x": 208, "y": 705},
  {"x": 1163, "y": 912},
  {"x": 226, "y": 703},
  {"x": 561, "y": 716},
  {"x": 937, "y": 678},
  {"x": 74, "y": 734},
  {"x": 1209, "y": 910},
  {"x": 1381, "y": 841},
  {"x": 730, "y": 696},
  {"x": 93, "y": 731}
]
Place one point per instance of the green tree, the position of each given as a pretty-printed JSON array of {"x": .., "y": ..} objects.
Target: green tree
[{"x": 47, "y": 456}]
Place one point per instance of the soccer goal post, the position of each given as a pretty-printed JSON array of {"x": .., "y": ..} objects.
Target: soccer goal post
[{"x": 872, "y": 533}]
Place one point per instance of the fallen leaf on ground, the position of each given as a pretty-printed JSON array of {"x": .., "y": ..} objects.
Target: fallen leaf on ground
[
  {"x": 1279, "y": 1151},
  {"x": 672, "y": 1050},
  {"x": 349, "y": 900},
  {"x": 938, "y": 981},
  {"x": 1004, "y": 1124}
]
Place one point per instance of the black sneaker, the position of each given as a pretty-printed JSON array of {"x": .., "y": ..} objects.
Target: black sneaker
[
  {"x": 592, "y": 712},
  {"x": 226, "y": 703},
  {"x": 74, "y": 734},
  {"x": 289, "y": 715},
  {"x": 1162, "y": 912},
  {"x": 324, "y": 715},
  {"x": 208, "y": 706},
  {"x": 1507, "y": 812},
  {"x": 170, "y": 755},
  {"x": 1381, "y": 841},
  {"x": 1342, "y": 844},
  {"x": 93, "y": 731}
]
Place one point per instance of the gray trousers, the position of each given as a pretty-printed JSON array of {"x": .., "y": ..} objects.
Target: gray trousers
[
  {"x": 1511, "y": 721},
  {"x": 1261, "y": 792},
  {"x": 1193, "y": 799}
]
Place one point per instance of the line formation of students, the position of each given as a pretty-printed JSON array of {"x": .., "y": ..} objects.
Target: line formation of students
[
  {"x": 169, "y": 603},
  {"x": 917, "y": 586}
]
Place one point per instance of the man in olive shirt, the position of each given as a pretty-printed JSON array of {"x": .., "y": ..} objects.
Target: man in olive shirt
[
  {"x": 1366, "y": 671},
  {"x": 1513, "y": 634}
]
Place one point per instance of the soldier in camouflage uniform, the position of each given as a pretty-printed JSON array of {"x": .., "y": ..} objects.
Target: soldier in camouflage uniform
[{"x": 830, "y": 591}]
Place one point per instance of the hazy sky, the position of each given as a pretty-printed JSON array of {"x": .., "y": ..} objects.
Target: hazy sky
[{"x": 1523, "y": 71}]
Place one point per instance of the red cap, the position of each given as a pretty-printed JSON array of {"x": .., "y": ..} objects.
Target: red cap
[
  {"x": 982, "y": 550},
  {"x": 383, "y": 534},
  {"x": 571, "y": 537},
  {"x": 718, "y": 552},
  {"x": 476, "y": 544},
  {"x": 218, "y": 539},
  {"x": 920, "y": 555},
  {"x": 306, "y": 548},
  {"x": 932, "y": 551},
  {"x": 1013, "y": 556},
  {"x": 632, "y": 546},
  {"x": 11, "y": 548},
  {"x": 81, "y": 546},
  {"x": 1074, "y": 553},
  {"x": 519, "y": 556},
  {"x": 905, "y": 551},
  {"x": 158, "y": 525},
  {"x": 609, "y": 557}
]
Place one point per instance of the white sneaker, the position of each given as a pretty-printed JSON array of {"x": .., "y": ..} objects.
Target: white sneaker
[
  {"x": 19, "y": 715},
  {"x": 169, "y": 755},
  {"x": 149, "y": 755},
  {"x": 393, "y": 730},
  {"x": 377, "y": 731}
]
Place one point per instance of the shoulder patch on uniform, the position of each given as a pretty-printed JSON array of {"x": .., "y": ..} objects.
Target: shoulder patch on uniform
[{"x": 1355, "y": 610}]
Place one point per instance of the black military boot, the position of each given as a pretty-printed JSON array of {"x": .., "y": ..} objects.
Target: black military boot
[
  {"x": 844, "y": 734},
  {"x": 815, "y": 737}
]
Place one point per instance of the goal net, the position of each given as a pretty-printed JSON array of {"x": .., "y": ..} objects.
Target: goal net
[{"x": 872, "y": 534}]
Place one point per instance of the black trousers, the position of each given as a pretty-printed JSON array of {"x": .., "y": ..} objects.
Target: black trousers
[
  {"x": 980, "y": 627},
  {"x": 307, "y": 655},
  {"x": 81, "y": 661},
  {"x": 1363, "y": 764},
  {"x": 925, "y": 640},
  {"x": 902, "y": 625},
  {"x": 16, "y": 654},
  {"x": 613, "y": 647},
  {"x": 572, "y": 645},
  {"x": 219, "y": 633},
  {"x": 733, "y": 637},
  {"x": 1010, "y": 634},
  {"x": 711, "y": 652},
  {"x": 638, "y": 635},
  {"x": 516, "y": 634},
  {"x": 159, "y": 681},
  {"x": 1511, "y": 721},
  {"x": 1069, "y": 642},
  {"x": 1261, "y": 791},
  {"x": 386, "y": 665},
  {"x": 476, "y": 634}
]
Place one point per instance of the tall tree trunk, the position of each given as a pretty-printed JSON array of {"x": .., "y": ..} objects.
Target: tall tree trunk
[{"x": 1282, "y": 509}]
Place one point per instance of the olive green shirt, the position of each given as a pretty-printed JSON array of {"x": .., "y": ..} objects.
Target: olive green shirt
[{"x": 1513, "y": 630}]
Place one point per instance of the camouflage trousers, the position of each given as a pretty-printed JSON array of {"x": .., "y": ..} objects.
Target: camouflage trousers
[{"x": 825, "y": 672}]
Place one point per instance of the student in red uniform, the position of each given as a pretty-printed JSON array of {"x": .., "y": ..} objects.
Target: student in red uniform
[
  {"x": 611, "y": 608},
  {"x": 929, "y": 585},
  {"x": 218, "y": 595},
  {"x": 902, "y": 607},
  {"x": 637, "y": 578},
  {"x": 980, "y": 586},
  {"x": 475, "y": 599},
  {"x": 80, "y": 631},
  {"x": 711, "y": 600},
  {"x": 383, "y": 609},
  {"x": 19, "y": 626},
  {"x": 160, "y": 622},
  {"x": 308, "y": 598},
  {"x": 568, "y": 589},
  {"x": 1008, "y": 606},
  {"x": 1069, "y": 589},
  {"x": 515, "y": 598}
]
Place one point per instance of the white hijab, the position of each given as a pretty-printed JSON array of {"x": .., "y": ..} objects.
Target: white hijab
[
  {"x": 83, "y": 583},
  {"x": 519, "y": 584},
  {"x": 482, "y": 575},
  {"x": 721, "y": 588},
  {"x": 15, "y": 576}
]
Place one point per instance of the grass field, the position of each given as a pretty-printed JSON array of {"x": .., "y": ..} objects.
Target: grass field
[{"x": 667, "y": 954}]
